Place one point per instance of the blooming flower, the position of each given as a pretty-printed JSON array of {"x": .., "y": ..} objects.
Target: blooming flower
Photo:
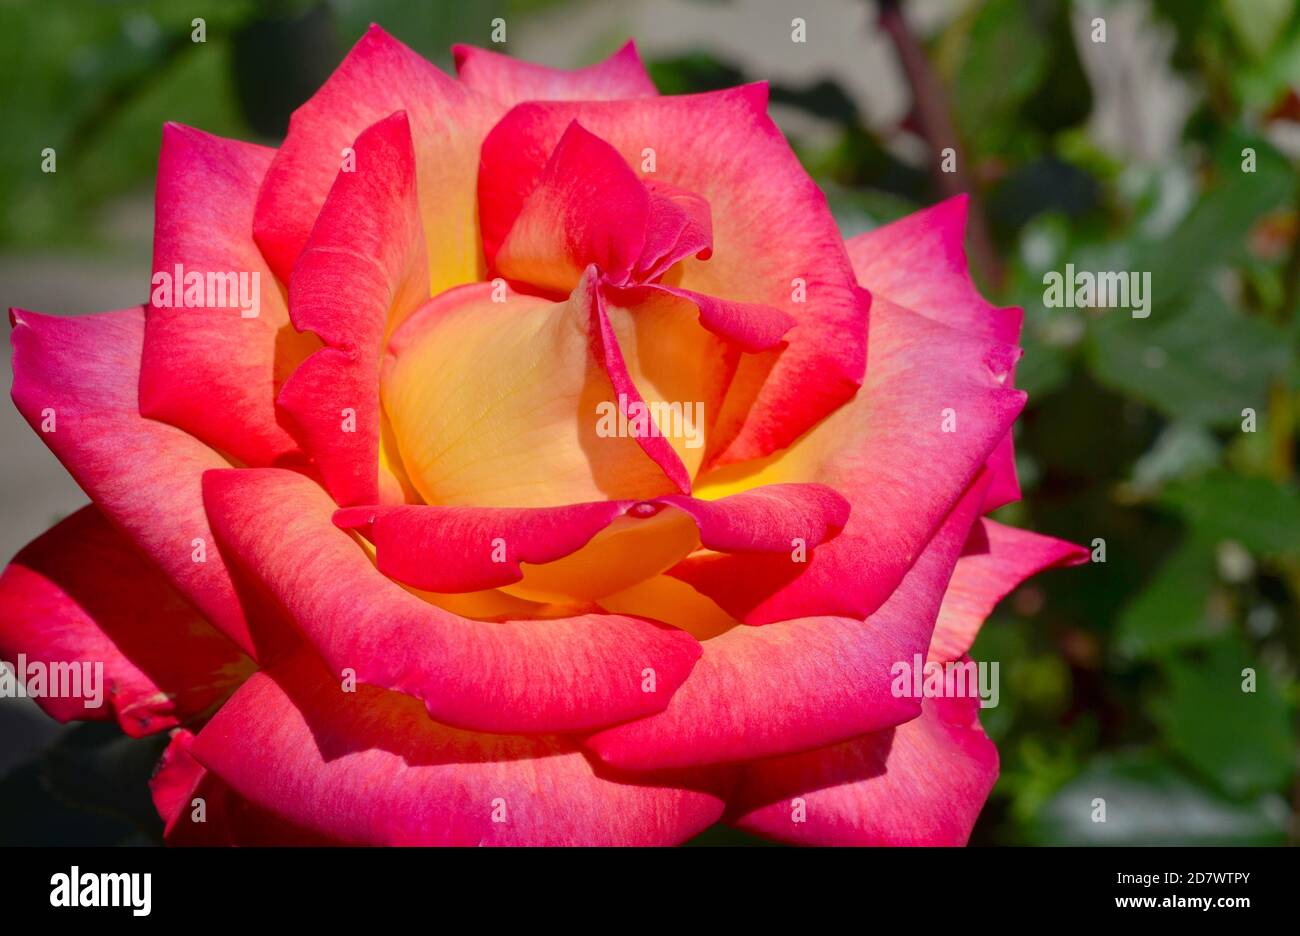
[{"x": 566, "y": 479}]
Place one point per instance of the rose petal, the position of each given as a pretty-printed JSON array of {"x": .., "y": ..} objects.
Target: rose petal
[
  {"x": 674, "y": 602},
  {"x": 534, "y": 675},
  {"x": 510, "y": 80},
  {"x": 763, "y": 691},
  {"x": 465, "y": 549},
  {"x": 497, "y": 404},
  {"x": 680, "y": 225},
  {"x": 448, "y": 122},
  {"x": 370, "y": 767},
  {"x": 774, "y": 241},
  {"x": 360, "y": 275},
  {"x": 922, "y": 783},
  {"x": 995, "y": 560},
  {"x": 608, "y": 349},
  {"x": 213, "y": 371},
  {"x": 774, "y": 518},
  {"x": 588, "y": 207},
  {"x": 920, "y": 262},
  {"x": 462, "y": 549},
  {"x": 79, "y": 593},
  {"x": 679, "y": 368},
  {"x": 889, "y": 454},
  {"x": 83, "y": 373},
  {"x": 198, "y": 808},
  {"x": 1004, "y": 487},
  {"x": 750, "y": 327}
]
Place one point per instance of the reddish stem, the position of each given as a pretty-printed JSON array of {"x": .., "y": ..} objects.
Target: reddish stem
[{"x": 934, "y": 117}]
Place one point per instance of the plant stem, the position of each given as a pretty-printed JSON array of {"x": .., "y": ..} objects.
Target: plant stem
[{"x": 934, "y": 117}]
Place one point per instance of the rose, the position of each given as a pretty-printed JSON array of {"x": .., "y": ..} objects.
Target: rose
[{"x": 566, "y": 479}]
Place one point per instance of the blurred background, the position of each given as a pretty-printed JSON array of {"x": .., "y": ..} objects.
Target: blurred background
[{"x": 1121, "y": 679}]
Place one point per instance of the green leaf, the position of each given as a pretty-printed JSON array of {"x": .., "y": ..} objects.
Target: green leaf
[
  {"x": 1216, "y": 227},
  {"x": 1259, "y": 82},
  {"x": 693, "y": 73},
  {"x": 1261, "y": 515},
  {"x": 1005, "y": 60},
  {"x": 1181, "y": 450},
  {"x": 1172, "y": 610},
  {"x": 1148, "y": 801},
  {"x": 1241, "y": 740},
  {"x": 1257, "y": 23},
  {"x": 1202, "y": 364},
  {"x": 97, "y": 88},
  {"x": 1043, "y": 368}
]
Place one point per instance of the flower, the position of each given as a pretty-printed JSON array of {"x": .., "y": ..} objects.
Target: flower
[{"x": 524, "y": 458}]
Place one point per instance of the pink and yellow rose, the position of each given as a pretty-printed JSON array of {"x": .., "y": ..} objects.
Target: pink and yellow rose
[{"x": 412, "y": 554}]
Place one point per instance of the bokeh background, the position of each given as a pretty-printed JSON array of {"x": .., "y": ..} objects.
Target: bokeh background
[{"x": 1120, "y": 679}]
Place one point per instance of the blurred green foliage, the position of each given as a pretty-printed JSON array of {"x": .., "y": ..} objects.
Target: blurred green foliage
[
  {"x": 1123, "y": 679},
  {"x": 96, "y": 79}
]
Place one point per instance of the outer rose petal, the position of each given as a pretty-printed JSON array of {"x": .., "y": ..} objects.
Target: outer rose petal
[
  {"x": 211, "y": 371},
  {"x": 511, "y": 81},
  {"x": 496, "y": 403},
  {"x": 361, "y": 273},
  {"x": 723, "y": 147},
  {"x": 996, "y": 559},
  {"x": 448, "y": 122},
  {"x": 144, "y": 475},
  {"x": 919, "y": 262},
  {"x": 181, "y": 782},
  {"x": 370, "y": 767},
  {"x": 758, "y": 692},
  {"x": 1005, "y": 486},
  {"x": 564, "y": 674},
  {"x": 922, "y": 783},
  {"x": 888, "y": 452},
  {"x": 80, "y": 593}
]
